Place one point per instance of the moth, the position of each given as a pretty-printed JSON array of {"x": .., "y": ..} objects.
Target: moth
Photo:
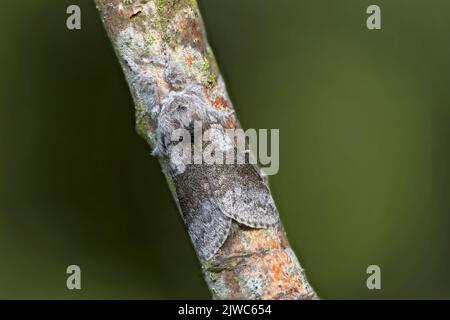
[{"x": 210, "y": 196}]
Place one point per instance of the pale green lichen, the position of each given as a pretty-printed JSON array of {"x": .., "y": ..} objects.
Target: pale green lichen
[
  {"x": 212, "y": 60},
  {"x": 166, "y": 9},
  {"x": 212, "y": 80},
  {"x": 254, "y": 285},
  {"x": 130, "y": 43},
  {"x": 209, "y": 77},
  {"x": 141, "y": 122},
  {"x": 194, "y": 4},
  {"x": 219, "y": 287}
]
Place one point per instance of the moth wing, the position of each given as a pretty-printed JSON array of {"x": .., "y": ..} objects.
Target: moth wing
[
  {"x": 208, "y": 231},
  {"x": 207, "y": 226},
  {"x": 242, "y": 194}
]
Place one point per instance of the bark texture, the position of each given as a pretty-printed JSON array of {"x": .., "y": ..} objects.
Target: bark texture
[{"x": 169, "y": 66}]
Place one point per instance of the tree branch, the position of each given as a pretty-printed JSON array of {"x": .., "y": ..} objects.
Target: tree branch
[{"x": 174, "y": 80}]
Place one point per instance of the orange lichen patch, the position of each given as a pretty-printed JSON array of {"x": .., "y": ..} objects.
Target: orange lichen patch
[
  {"x": 258, "y": 239},
  {"x": 162, "y": 83},
  {"x": 230, "y": 123},
  {"x": 283, "y": 282},
  {"x": 255, "y": 239},
  {"x": 183, "y": 24},
  {"x": 239, "y": 247},
  {"x": 220, "y": 102},
  {"x": 189, "y": 59},
  {"x": 259, "y": 254},
  {"x": 252, "y": 240},
  {"x": 197, "y": 35},
  {"x": 207, "y": 92},
  {"x": 189, "y": 30}
]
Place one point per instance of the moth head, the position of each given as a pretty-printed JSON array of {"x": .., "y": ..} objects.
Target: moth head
[{"x": 175, "y": 76}]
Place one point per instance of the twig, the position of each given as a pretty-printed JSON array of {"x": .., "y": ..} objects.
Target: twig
[{"x": 168, "y": 64}]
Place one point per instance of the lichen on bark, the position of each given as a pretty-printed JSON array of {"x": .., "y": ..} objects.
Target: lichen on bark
[{"x": 167, "y": 62}]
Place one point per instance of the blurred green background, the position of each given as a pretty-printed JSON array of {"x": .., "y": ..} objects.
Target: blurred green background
[{"x": 365, "y": 147}]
